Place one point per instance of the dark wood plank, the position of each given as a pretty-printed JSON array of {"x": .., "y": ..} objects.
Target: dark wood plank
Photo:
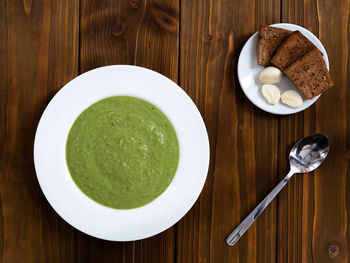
[
  {"x": 143, "y": 33},
  {"x": 312, "y": 210},
  {"x": 243, "y": 139},
  {"x": 39, "y": 54},
  {"x": 330, "y": 221}
]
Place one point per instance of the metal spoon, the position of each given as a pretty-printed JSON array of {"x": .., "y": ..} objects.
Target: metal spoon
[{"x": 306, "y": 155}]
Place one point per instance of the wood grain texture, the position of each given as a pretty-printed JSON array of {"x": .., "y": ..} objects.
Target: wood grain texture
[
  {"x": 38, "y": 55},
  {"x": 312, "y": 214},
  {"x": 242, "y": 168},
  {"x": 330, "y": 221},
  {"x": 137, "y": 32}
]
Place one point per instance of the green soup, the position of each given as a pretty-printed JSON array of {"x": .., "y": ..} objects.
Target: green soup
[{"x": 122, "y": 152}]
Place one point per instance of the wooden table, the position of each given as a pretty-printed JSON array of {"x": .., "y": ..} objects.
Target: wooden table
[{"x": 44, "y": 44}]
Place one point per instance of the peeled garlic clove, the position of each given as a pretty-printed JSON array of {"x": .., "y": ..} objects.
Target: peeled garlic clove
[
  {"x": 292, "y": 98},
  {"x": 271, "y": 93},
  {"x": 270, "y": 75}
]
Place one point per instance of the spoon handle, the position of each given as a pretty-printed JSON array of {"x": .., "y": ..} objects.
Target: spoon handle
[{"x": 246, "y": 223}]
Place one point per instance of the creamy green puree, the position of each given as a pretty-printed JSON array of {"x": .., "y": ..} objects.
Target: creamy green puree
[{"x": 122, "y": 152}]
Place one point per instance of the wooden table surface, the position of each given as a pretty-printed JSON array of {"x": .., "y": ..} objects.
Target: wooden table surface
[{"x": 44, "y": 44}]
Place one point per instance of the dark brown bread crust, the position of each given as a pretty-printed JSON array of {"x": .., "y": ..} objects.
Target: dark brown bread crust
[
  {"x": 269, "y": 40},
  {"x": 294, "y": 47},
  {"x": 310, "y": 74}
]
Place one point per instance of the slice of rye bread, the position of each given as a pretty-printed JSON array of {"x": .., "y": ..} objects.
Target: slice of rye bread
[
  {"x": 294, "y": 47},
  {"x": 268, "y": 42},
  {"x": 310, "y": 74}
]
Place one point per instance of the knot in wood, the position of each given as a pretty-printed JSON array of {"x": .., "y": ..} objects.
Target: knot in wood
[
  {"x": 333, "y": 250},
  {"x": 165, "y": 20},
  {"x": 347, "y": 154},
  {"x": 119, "y": 28},
  {"x": 27, "y": 6},
  {"x": 134, "y": 3}
]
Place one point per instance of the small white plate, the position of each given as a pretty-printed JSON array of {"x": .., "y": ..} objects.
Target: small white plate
[
  {"x": 248, "y": 72},
  {"x": 82, "y": 212}
]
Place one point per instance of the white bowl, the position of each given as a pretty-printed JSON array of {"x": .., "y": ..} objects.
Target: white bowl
[
  {"x": 248, "y": 71},
  {"x": 82, "y": 212}
]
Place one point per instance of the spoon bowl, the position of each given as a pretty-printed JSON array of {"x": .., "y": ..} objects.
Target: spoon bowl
[{"x": 308, "y": 153}]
